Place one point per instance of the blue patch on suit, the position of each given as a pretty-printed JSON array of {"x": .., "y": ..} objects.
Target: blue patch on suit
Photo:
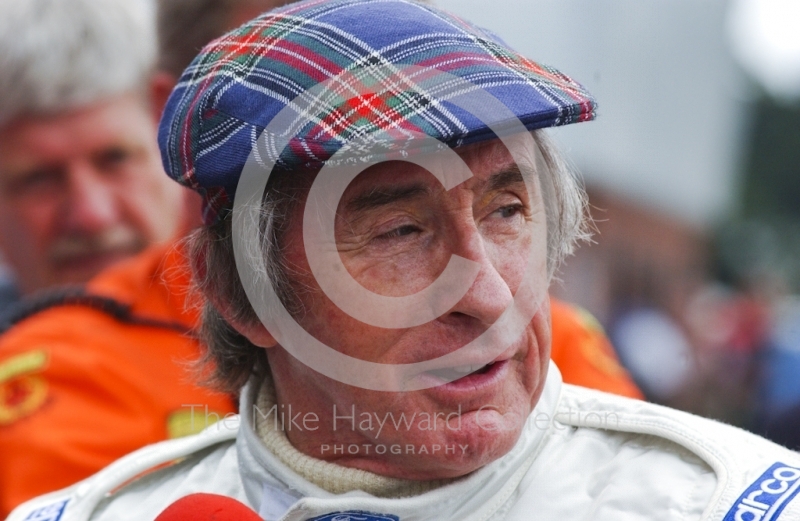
[
  {"x": 765, "y": 499},
  {"x": 355, "y": 515},
  {"x": 51, "y": 512}
]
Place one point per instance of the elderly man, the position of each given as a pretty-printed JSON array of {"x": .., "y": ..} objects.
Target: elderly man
[
  {"x": 81, "y": 184},
  {"x": 381, "y": 227}
]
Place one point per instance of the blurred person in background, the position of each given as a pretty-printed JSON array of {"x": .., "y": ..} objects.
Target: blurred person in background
[
  {"x": 777, "y": 411},
  {"x": 655, "y": 351},
  {"x": 730, "y": 330},
  {"x": 68, "y": 415},
  {"x": 81, "y": 182}
]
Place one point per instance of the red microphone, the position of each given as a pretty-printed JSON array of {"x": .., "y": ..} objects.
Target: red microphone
[{"x": 207, "y": 507}]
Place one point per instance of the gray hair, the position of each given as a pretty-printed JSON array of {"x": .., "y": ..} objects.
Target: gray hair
[
  {"x": 62, "y": 54},
  {"x": 234, "y": 358}
]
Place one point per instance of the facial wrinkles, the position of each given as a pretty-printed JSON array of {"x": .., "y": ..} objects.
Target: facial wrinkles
[
  {"x": 476, "y": 220},
  {"x": 405, "y": 244},
  {"x": 424, "y": 216},
  {"x": 396, "y": 249},
  {"x": 432, "y": 223}
]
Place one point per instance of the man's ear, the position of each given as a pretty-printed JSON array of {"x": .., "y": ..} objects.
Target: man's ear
[
  {"x": 254, "y": 331},
  {"x": 161, "y": 85}
]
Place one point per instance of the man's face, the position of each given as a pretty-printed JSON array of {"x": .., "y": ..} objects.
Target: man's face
[
  {"x": 396, "y": 229},
  {"x": 81, "y": 190}
]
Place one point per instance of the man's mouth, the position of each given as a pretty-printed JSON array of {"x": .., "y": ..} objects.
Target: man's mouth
[
  {"x": 451, "y": 374},
  {"x": 92, "y": 262},
  {"x": 472, "y": 372},
  {"x": 77, "y": 249},
  {"x": 77, "y": 258}
]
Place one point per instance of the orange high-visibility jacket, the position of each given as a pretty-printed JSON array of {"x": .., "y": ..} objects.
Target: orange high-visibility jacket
[
  {"x": 584, "y": 354},
  {"x": 91, "y": 376}
]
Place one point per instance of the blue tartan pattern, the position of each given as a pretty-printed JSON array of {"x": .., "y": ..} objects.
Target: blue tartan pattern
[{"x": 239, "y": 82}]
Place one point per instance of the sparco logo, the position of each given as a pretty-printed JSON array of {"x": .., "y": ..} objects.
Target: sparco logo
[{"x": 768, "y": 496}]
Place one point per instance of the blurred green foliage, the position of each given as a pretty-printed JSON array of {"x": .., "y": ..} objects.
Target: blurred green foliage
[{"x": 761, "y": 244}]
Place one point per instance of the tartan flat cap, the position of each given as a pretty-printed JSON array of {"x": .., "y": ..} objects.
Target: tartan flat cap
[{"x": 231, "y": 92}]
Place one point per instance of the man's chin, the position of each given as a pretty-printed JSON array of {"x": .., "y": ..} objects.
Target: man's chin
[
  {"x": 453, "y": 457},
  {"x": 461, "y": 445},
  {"x": 482, "y": 419}
]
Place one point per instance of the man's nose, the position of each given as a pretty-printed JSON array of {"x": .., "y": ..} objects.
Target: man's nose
[
  {"x": 489, "y": 295},
  {"x": 89, "y": 205}
]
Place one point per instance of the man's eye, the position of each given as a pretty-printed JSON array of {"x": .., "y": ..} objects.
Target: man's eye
[
  {"x": 111, "y": 158},
  {"x": 509, "y": 211},
  {"x": 36, "y": 182},
  {"x": 401, "y": 231}
]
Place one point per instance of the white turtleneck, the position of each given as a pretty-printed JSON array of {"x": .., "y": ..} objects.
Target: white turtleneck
[{"x": 331, "y": 477}]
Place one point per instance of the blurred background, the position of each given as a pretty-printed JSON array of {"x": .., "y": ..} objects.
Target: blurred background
[{"x": 693, "y": 171}]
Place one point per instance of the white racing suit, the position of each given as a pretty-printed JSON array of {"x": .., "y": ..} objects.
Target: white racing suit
[{"x": 583, "y": 455}]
